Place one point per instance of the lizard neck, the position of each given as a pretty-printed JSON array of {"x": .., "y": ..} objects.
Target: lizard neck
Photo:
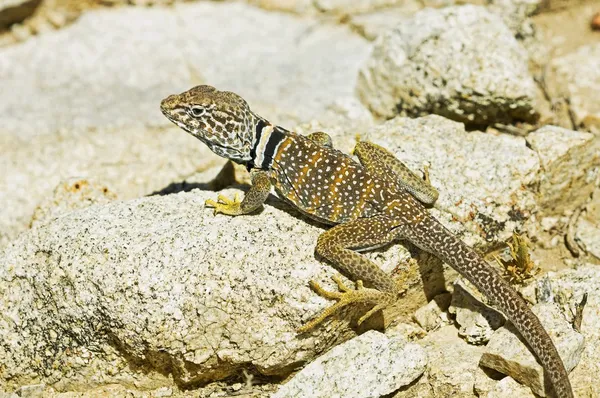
[{"x": 266, "y": 143}]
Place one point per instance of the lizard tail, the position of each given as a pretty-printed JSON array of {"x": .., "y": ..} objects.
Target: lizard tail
[{"x": 433, "y": 237}]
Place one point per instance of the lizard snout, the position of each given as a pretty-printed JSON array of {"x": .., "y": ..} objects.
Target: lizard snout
[{"x": 168, "y": 103}]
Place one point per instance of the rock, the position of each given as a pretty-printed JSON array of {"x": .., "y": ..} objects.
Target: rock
[
  {"x": 508, "y": 387},
  {"x": 588, "y": 226},
  {"x": 486, "y": 381},
  {"x": 406, "y": 331},
  {"x": 485, "y": 201},
  {"x": 77, "y": 89},
  {"x": 370, "y": 365},
  {"x": 31, "y": 391},
  {"x": 304, "y": 7},
  {"x": 161, "y": 283},
  {"x": 344, "y": 7},
  {"x": 97, "y": 95},
  {"x": 430, "y": 64},
  {"x": 452, "y": 363},
  {"x": 432, "y": 315},
  {"x": 48, "y": 15},
  {"x": 117, "y": 390},
  {"x": 477, "y": 321},
  {"x": 329, "y": 7},
  {"x": 576, "y": 77},
  {"x": 340, "y": 119},
  {"x": 552, "y": 5},
  {"x": 570, "y": 163},
  {"x": 70, "y": 195},
  {"x": 12, "y": 11},
  {"x": 588, "y": 234},
  {"x": 567, "y": 288},
  {"x": 507, "y": 354},
  {"x": 371, "y": 25},
  {"x": 516, "y": 13},
  {"x": 592, "y": 211},
  {"x": 133, "y": 161}
]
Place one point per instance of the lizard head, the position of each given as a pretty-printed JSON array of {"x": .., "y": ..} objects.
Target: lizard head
[{"x": 220, "y": 119}]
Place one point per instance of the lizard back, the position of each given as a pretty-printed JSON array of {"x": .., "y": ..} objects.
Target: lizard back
[{"x": 323, "y": 182}]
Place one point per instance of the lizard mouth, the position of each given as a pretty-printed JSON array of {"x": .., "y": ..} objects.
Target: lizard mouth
[{"x": 176, "y": 116}]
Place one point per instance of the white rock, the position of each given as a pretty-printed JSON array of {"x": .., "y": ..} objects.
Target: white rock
[
  {"x": 353, "y": 6},
  {"x": 84, "y": 101},
  {"x": 567, "y": 288},
  {"x": 577, "y": 77},
  {"x": 70, "y": 195},
  {"x": 430, "y": 64},
  {"x": 516, "y": 13},
  {"x": 588, "y": 227},
  {"x": 31, "y": 391},
  {"x": 132, "y": 161},
  {"x": 304, "y": 7},
  {"x": 160, "y": 280},
  {"x": 477, "y": 321},
  {"x": 508, "y": 387},
  {"x": 570, "y": 166},
  {"x": 452, "y": 363},
  {"x": 431, "y": 316},
  {"x": 588, "y": 234},
  {"x": 339, "y": 7},
  {"x": 371, "y": 25},
  {"x": 370, "y": 365},
  {"x": 507, "y": 354},
  {"x": 88, "y": 80},
  {"x": 478, "y": 192}
]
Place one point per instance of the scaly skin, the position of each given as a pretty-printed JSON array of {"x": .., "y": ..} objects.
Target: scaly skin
[{"x": 370, "y": 204}]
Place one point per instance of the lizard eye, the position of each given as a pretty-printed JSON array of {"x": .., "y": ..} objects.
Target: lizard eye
[{"x": 197, "y": 111}]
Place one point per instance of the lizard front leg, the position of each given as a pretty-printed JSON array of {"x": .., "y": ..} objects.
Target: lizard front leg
[
  {"x": 335, "y": 245},
  {"x": 383, "y": 163},
  {"x": 321, "y": 138},
  {"x": 254, "y": 198}
]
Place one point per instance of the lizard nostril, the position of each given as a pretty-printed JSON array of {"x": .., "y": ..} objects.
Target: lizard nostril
[{"x": 168, "y": 102}]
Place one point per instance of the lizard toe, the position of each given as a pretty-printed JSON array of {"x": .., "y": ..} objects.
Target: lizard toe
[{"x": 345, "y": 297}]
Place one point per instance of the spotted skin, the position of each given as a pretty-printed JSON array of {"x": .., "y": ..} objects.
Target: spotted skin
[
  {"x": 321, "y": 138},
  {"x": 370, "y": 204},
  {"x": 380, "y": 162},
  {"x": 325, "y": 183}
]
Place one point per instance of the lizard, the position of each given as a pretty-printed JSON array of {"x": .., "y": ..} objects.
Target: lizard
[{"x": 368, "y": 204}]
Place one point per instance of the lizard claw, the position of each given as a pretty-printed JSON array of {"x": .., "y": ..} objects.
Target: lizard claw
[
  {"x": 347, "y": 296},
  {"x": 225, "y": 205}
]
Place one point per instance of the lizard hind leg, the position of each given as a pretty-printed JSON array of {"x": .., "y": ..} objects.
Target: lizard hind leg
[
  {"x": 321, "y": 138},
  {"x": 335, "y": 245},
  {"x": 381, "y": 162}
]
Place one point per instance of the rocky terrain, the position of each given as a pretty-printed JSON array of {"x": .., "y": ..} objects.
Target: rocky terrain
[{"x": 115, "y": 280}]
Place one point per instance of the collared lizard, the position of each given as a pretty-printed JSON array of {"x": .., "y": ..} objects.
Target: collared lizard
[{"x": 370, "y": 204}]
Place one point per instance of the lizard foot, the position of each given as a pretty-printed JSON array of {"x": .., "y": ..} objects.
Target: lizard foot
[
  {"x": 345, "y": 297},
  {"x": 225, "y": 205}
]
